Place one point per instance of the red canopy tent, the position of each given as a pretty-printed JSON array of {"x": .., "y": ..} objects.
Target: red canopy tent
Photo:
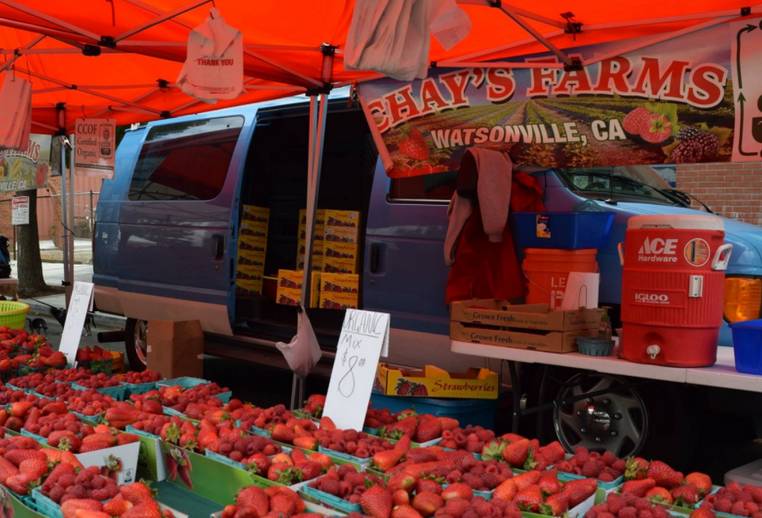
[{"x": 119, "y": 58}]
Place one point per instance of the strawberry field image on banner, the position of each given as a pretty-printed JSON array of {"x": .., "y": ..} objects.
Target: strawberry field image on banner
[{"x": 682, "y": 100}]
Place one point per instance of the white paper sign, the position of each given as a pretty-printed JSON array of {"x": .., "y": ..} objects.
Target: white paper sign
[
  {"x": 581, "y": 291},
  {"x": 364, "y": 338},
  {"x": 76, "y": 313},
  {"x": 20, "y": 210},
  {"x": 95, "y": 145}
]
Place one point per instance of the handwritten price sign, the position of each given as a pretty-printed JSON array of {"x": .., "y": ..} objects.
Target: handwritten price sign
[{"x": 364, "y": 338}]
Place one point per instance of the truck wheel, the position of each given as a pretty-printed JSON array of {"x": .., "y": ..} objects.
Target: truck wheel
[
  {"x": 135, "y": 343},
  {"x": 616, "y": 419}
]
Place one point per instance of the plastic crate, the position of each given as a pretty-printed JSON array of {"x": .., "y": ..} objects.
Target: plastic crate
[
  {"x": 467, "y": 411},
  {"x": 747, "y": 345},
  {"x": 13, "y": 314},
  {"x": 185, "y": 382},
  {"x": 45, "y": 505},
  {"x": 138, "y": 388},
  {"x": 571, "y": 230},
  {"x": 118, "y": 392},
  {"x": 89, "y": 419}
]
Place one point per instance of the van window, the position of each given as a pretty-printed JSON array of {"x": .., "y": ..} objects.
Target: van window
[
  {"x": 427, "y": 188},
  {"x": 185, "y": 161}
]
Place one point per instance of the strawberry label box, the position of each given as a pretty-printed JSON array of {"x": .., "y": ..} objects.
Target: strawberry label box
[{"x": 434, "y": 382}]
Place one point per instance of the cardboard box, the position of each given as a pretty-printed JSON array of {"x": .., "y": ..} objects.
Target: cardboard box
[
  {"x": 527, "y": 326},
  {"x": 317, "y": 256},
  {"x": 341, "y": 234},
  {"x": 432, "y": 381},
  {"x": 340, "y": 250},
  {"x": 524, "y": 316},
  {"x": 338, "y": 265},
  {"x": 548, "y": 341},
  {"x": 289, "y": 291},
  {"x": 249, "y": 246},
  {"x": 125, "y": 456},
  {"x": 342, "y": 226},
  {"x": 175, "y": 348},
  {"x": 255, "y": 213},
  {"x": 339, "y": 290}
]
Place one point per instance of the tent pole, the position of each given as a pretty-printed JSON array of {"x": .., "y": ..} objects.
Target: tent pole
[
  {"x": 70, "y": 210},
  {"x": 20, "y": 52},
  {"x": 50, "y": 19},
  {"x": 161, "y": 19},
  {"x": 65, "y": 219},
  {"x": 536, "y": 34}
]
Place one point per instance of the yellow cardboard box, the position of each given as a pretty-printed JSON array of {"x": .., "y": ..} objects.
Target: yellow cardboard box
[
  {"x": 252, "y": 245},
  {"x": 289, "y": 289},
  {"x": 434, "y": 382},
  {"x": 340, "y": 250},
  {"x": 339, "y": 290},
  {"x": 339, "y": 265},
  {"x": 249, "y": 286},
  {"x": 340, "y": 234},
  {"x": 342, "y": 218},
  {"x": 255, "y": 213}
]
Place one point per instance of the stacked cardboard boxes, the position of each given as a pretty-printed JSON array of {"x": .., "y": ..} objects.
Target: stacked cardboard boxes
[
  {"x": 252, "y": 248},
  {"x": 335, "y": 252},
  {"x": 317, "y": 240}
]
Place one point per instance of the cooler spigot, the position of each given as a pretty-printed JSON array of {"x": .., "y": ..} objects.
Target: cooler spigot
[{"x": 653, "y": 351}]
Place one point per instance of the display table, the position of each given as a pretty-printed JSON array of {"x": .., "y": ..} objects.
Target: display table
[{"x": 723, "y": 374}]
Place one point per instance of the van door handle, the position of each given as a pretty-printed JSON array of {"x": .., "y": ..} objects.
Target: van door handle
[
  {"x": 376, "y": 261},
  {"x": 219, "y": 246}
]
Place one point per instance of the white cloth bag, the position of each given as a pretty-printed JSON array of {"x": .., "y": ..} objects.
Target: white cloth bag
[
  {"x": 303, "y": 351},
  {"x": 15, "y": 111},
  {"x": 393, "y": 36},
  {"x": 213, "y": 67}
]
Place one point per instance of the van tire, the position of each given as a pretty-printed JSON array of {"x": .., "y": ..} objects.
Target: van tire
[{"x": 135, "y": 343}]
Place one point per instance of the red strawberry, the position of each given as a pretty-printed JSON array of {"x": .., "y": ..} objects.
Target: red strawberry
[
  {"x": 136, "y": 492},
  {"x": 579, "y": 490},
  {"x": 376, "y": 502},
  {"x": 148, "y": 509},
  {"x": 659, "y": 495},
  {"x": 117, "y": 506},
  {"x": 638, "y": 487},
  {"x": 701, "y": 480},
  {"x": 506, "y": 490},
  {"x": 405, "y": 511},
  {"x": 427, "y": 503},
  {"x": 516, "y": 453},
  {"x": 282, "y": 505},
  {"x": 526, "y": 479},
  {"x": 553, "y": 452},
  {"x": 556, "y": 505},
  {"x": 33, "y": 468},
  {"x": 529, "y": 499},
  {"x": 254, "y": 497},
  {"x": 429, "y": 428},
  {"x": 549, "y": 483},
  {"x": 664, "y": 475},
  {"x": 635, "y": 120},
  {"x": 685, "y": 495},
  {"x": 400, "y": 497},
  {"x": 457, "y": 490},
  {"x": 414, "y": 146},
  {"x": 702, "y": 512},
  {"x": 657, "y": 129}
]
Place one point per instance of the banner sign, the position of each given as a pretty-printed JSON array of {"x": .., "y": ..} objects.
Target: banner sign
[
  {"x": 693, "y": 98},
  {"x": 95, "y": 144},
  {"x": 25, "y": 169}
]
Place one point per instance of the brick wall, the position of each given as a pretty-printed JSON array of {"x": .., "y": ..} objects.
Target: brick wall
[{"x": 731, "y": 190}]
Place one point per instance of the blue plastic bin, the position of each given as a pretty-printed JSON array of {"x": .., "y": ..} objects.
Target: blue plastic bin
[
  {"x": 747, "y": 345},
  {"x": 467, "y": 411},
  {"x": 570, "y": 230}
]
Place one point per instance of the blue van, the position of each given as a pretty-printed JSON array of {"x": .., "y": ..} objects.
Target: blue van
[{"x": 168, "y": 222}]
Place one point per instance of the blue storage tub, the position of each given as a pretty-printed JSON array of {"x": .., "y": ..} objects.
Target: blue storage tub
[
  {"x": 570, "y": 230},
  {"x": 475, "y": 412},
  {"x": 747, "y": 345}
]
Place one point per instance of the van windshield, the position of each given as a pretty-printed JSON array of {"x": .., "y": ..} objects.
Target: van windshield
[{"x": 629, "y": 183}]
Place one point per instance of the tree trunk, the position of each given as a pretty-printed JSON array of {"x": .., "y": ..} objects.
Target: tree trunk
[{"x": 29, "y": 263}]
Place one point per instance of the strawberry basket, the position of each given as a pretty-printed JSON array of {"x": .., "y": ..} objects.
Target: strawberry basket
[
  {"x": 329, "y": 500},
  {"x": 13, "y": 314},
  {"x": 45, "y": 505},
  {"x": 118, "y": 392}
]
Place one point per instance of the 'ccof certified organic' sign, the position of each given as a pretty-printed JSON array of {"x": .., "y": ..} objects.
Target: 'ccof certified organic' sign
[{"x": 95, "y": 143}]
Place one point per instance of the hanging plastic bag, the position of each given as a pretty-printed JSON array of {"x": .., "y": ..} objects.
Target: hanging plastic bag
[
  {"x": 15, "y": 111},
  {"x": 303, "y": 351},
  {"x": 449, "y": 23},
  {"x": 213, "y": 67}
]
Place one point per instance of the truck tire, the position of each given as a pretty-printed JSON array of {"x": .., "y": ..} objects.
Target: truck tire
[{"x": 135, "y": 344}]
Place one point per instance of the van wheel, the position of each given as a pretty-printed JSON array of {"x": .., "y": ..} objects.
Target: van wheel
[
  {"x": 135, "y": 343},
  {"x": 615, "y": 419}
]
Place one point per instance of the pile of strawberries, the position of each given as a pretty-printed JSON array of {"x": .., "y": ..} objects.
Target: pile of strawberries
[
  {"x": 266, "y": 417},
  {"x": 482, "y": 475},
  {"x": 605, "y": 466},
  {"x": 661, "y": 483},
  {"x": 21, "y": 353},
  {"x": 274, "y": 501},
  {"x": 89, "y": 402},
  {"x": 520, "y": 452},
  {"x": 136, "y": 378},
  {"x": 297, "y": 466},
  {"x": 133, "y": 500},
  {"x": 420, "y": 428},
  {"x": 379, "y": 417},
  {"x": 627, "y": 506},
  {"x": 357, "y": 444},
  {"x": 346, "y": 482},
  {"x": 736, "y": 499},
  {"x": 22, "y": 463},
  {"x": 99, "y": 380}
]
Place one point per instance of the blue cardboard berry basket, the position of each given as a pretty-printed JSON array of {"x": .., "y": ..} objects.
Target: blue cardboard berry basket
[
  {"x": 329, "y": 500},
  {"x": 45, "y": 505}
]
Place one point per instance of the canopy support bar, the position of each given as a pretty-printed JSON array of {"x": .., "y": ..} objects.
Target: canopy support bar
[
  {"x": 161, "y": 19},
  {"x": 498, "y": 64},
  {"x": 50, "y": 19},
  {"x": 17, "y": 54},
  {"x": 521, "y": 12},
  {"x": 87, "y": 91},
  {"x": 134, "y": 102},
  {"x": 536, "y": 35}
]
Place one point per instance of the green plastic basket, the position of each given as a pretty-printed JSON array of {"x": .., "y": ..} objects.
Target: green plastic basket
[{"x": 13, "y": 314}]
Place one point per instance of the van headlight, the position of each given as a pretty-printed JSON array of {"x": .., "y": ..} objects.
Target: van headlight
[{"x": 743, "y": 299}]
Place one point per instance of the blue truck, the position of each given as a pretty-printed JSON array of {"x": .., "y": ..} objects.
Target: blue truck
[{"x": 168, "y": 223}]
